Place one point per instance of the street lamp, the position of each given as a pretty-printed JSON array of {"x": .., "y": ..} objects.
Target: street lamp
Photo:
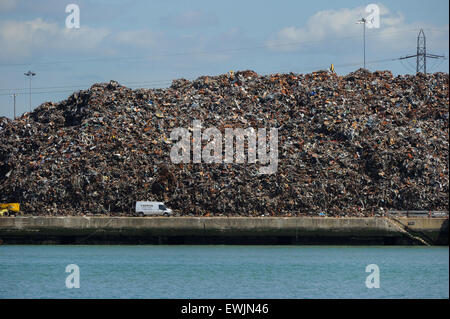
[
  {"x": 30, "y": 75},
  {"x": 14, "y": 96},
  {"x": 363, "y": 22}
]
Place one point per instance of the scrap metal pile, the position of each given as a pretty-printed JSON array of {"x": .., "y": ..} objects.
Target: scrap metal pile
[{"x": 352, "y": 145}]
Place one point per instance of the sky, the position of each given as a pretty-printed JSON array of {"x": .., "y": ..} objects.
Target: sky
[{"x": 149, "y": 43}]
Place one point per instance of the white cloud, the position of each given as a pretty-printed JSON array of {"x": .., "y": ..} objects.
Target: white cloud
[
  {"x": 20, "y": 39},
  {"x": 332, "y": 25},
  {"x": 24, "y": 39}
]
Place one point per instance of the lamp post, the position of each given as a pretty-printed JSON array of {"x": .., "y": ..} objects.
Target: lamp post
[
  {"x": 14, "y": 96},
  {"x": 30, "y": 75},
  {"x": 363, "y": 22}
]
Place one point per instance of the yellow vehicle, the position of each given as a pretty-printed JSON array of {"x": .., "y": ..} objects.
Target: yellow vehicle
[{"x": 9, "y": 209}]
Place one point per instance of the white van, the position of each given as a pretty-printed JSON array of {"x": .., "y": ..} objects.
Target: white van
[{"x": 152, "y": 208}]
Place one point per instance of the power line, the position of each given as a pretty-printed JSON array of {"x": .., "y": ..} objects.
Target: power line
[
  {"x": 168, "y": 81},
  {"x": 436, "y": 64},
  {"x": 407, "y": 65},
  {"x": 84, "y": 85},
  {"x": 193, "y": 78},
  {"x": 276, "y": 45},
  {"x": 64, "y": 91}
]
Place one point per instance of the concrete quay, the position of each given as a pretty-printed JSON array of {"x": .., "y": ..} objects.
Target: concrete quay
[{"x": 222, "y": 230}]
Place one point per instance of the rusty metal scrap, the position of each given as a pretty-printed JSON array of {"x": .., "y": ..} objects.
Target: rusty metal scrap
[{"x": 353, "y": 145}]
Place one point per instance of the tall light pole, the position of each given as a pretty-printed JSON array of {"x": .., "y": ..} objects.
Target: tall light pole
[
  {"x": 30, "y": 75},
  {"x": 14, "y": 96},
  {"x": 363, "y": 22}
]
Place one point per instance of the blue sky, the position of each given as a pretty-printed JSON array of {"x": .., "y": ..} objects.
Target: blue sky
[{"x": 149, "y": 43}]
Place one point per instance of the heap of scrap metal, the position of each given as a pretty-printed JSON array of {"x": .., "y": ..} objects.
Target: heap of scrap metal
[{"x": 353, "y": 145}]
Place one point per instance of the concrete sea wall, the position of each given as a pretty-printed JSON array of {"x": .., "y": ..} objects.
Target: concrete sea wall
[{"x": 220, "y": 230}]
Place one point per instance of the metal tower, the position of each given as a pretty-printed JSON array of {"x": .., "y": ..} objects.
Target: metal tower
[
  {"x": 421, "y": 64},
  {"x": 421, "y": 55}
]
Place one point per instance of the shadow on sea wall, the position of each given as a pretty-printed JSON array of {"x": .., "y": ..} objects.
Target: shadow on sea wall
[{"x": 217, "y": 231}]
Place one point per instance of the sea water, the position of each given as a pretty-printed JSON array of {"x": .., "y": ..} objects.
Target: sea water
[{"x": 221, "y": 271}]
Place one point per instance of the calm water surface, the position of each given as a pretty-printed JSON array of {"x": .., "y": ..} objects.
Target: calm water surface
[{"x": 223, "y": 271}]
